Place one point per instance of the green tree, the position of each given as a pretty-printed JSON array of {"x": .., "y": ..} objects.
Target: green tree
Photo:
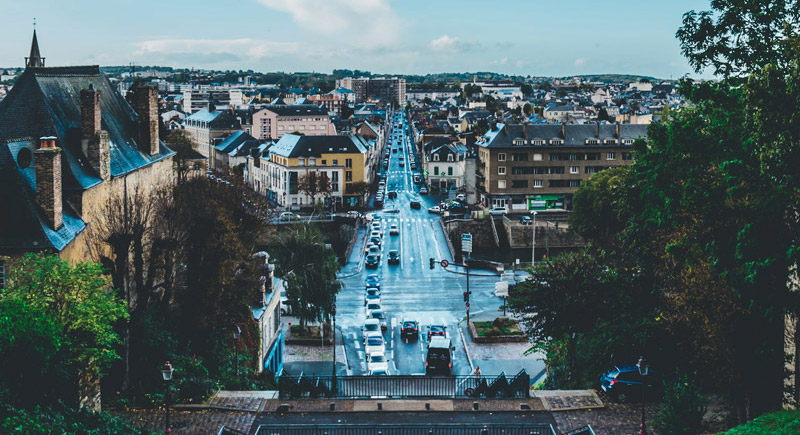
[
  {"x": 596, "y": 206},
  {"x": 527, "y": 109},
  {"x": 682, "y": 407},
  {"x": 309, "y": 269}
]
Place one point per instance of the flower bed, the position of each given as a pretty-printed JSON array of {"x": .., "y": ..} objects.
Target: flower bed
[{"x": 497, "y": 331}]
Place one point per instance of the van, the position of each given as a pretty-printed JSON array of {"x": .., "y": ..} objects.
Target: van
[{"x": 439, "y": 357}]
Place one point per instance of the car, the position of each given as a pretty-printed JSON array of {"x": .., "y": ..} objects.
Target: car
[
  {"x": 288, "y": 216},
  {"x": 394, "y": 150},
  {"x": 381, "y": 185},
  {"x": 401, "y": 158},
  {"x": 498, "y": 211},
  {"x": 624, "y": 383},
  {"x": 392, "y": 195},
  {"x": 423, "y": 190},
  {"x": 372, "y": 261},
  {"x": 370, "y": 326},
  {"x": 391, "y": 210},
  {"x": 353, "y": 214},
  {"x": 285, "y": 307},
  {"x": 375, "y": 226},
  {"x": 369, "y": 217},
  {"x": 373, "y": 280},
  {"x": 409, "y": 329},
  {"x": 394, "y": 230},
  {"x": 402, "y": 165},
  {"x": 461, "y": 197},
  {"x": 375, "y": 250},
  {"x": 376, "y": 240},
  {"x": 372, "y": 306},
  {"x": 377, "y": 363},
  {"x": 415, "y": 205},
  {"x": 380, "y": 316},
  {"x": 374, "y": 343},
  {"x": 375, "y": 233},
  {"x": 439, "y": 356},
  {"x": 373, "y": 294},
  {"x": 437, "y": 330},
  {"x": 413, "y": 166},
  {"x": 435, "y": 209},
  {"x": 525, "y": 220},
  {"x": 366, "y": 248},
  {"x": 394, "y": 257}
]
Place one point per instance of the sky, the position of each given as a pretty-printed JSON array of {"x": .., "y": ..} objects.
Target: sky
[{"x": 519, "y": 37}]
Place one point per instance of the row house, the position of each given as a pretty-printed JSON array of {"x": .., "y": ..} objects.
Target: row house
[
  {"x": 273, "y": 121},
  {"x": 445, "y": 163},
  {"x": 538, "y": 166},
  {"x": 208, "y": 127}
]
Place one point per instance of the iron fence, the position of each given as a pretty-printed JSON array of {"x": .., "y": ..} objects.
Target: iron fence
[
  {"x": 501, "y": 386},
  {"x": 224, "y": 430},
  {"x": 407, "y": 429}
]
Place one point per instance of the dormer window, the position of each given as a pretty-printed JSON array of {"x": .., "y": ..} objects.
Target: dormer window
[
  {"x": 592, "y": 141},
  {"x": 610, "y": 141},
  {"x": 519, "y": 141},
  {"x": 436, "y": 157},
  {"x": 627, "y": 141},
  {"x": 557, "y": 142},
  {"x": 450, "y": 158},
  {"x": 538, "y": 142}
]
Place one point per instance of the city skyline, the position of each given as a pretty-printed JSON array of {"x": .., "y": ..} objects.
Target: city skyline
[{"x": 381, "y": 36}]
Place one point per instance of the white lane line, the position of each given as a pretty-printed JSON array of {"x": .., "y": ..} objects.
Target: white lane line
[
  {"x": 363, "y": 367},
  {"x": 353, "y": 335},
  {"x": 357, "y": 345}
]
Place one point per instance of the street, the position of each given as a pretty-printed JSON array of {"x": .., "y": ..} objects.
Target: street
[{"x": 410, "y": 290}]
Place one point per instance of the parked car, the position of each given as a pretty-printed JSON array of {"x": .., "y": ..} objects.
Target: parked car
[
  {"x": 371, "y": 261},
  {"x": 402, "y": 165},
  {"x": 394, "y": 257},
  {"x": 373, "y": 280},
  {"x": 392, "y": 195},
  {"x": 435, "y": 209},
  {"x": 525, "y": 220},
  {"x": 409, "y": 329},
  {"x": 377, "y": 364},
  {"x": 366, "y": 248},
  {"x": 375, "y": 233},
  {"x": 370, "y": 326},
  {"x": 624, "y": 384},
  {"x": 374, "y": 344},
  {"x": 414, "y": 166},
  {"x": 498, "y": 211},
  {"x": 415, "y": 205},
  {"x": 289, "y": 216},
  {"x": 394, "y": 230},
  {"x": 437, "y": 331},
  {"x": 423, "y": 190}
]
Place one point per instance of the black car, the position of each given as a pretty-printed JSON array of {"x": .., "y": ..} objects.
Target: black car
[
  {"x": 624, "y": 384},
  {"x": 416, "y": 205},
  {"x": 437, "y": 330},
  {"x": 409, "y": 329},
  {"x": 394, "y": 257},
  {"x": 371, "y": 262},
  {"x": 392, "y": 194}
]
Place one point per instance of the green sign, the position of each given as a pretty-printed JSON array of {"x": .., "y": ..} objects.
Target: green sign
[{"x": 546, "y": 202}]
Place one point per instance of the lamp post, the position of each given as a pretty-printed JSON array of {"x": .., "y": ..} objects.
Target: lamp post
[
  {"x": 237, "y": 331},
  {"x": 644, "y": 368},
  {"x": 333, "y": 330},
  {"x": 166, "y": 374},
  {"x": 533, "y": 248}
]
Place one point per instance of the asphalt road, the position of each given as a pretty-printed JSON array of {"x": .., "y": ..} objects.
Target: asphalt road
[{"x": 411, "y": 289}]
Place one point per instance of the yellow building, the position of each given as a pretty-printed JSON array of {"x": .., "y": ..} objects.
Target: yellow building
[{"x": 345, "y": 160}]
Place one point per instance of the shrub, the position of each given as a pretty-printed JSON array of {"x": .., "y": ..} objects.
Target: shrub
[{"x": 682, "y": 407}]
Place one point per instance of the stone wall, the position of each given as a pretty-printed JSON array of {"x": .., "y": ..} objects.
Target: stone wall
[{"x": 521, "y": 236}]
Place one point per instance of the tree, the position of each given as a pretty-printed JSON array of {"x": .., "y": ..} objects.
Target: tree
[
  {"x": 596, "y": 207},
  {"x": 183, "y": 145},
  {"x": 360, "y": 189},
  {"x": 527, "y": 109},
  {"x": 602, "y": 115},
  {"x": 526, "y": 89},
  {"x": 347, "y": 111},
  {"x": 309, "y": 269}
]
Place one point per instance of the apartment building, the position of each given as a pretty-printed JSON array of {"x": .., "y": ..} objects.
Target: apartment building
[
  {"x": 273, "y": 121},
  {"x": 208, "y": 127},
  {"x": 445, "y": 163},
  {"x": 345, "y": 160},
  {"x": 199, "y": 99},
  {"x": 385, "y": 88},
  {"x": 330, "y": 102},
  {"x": 539, "y": 166}
]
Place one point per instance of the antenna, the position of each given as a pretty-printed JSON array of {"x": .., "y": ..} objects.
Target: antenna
[{"x": 34, "y": 23}]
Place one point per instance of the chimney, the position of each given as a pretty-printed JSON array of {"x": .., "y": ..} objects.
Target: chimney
[
  {"x": 617, "y": 129},
  {"x": 48, "y": 181},
  {"x": 145, "y": 102},
  {"x": 597, "y": 130},
  {"x": 563, "y": 130},
  {"x": 94, "y": 142}
]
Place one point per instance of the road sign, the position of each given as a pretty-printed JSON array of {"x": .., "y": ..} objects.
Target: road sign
[
  {"x": 501, "y": 289},
  {"x": 444, "y": 263},
  {"x": 466, "y": 243}
]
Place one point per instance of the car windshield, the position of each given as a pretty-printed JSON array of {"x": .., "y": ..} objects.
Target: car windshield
[
  {"x": 377, "y": 315},
  {"x": 371, "y": 257},
  {"x": 437, "y": 329},
  {"x": 373, "y": 278},
  {"x": 377, "y": 358},
  {"x": 409, "y": 325},
  {"x": 371, "y": 326},
  {"x": 374, "y": 341},
  {"x": 372, "y": 291},
  {"x": 373, "y": 306}
]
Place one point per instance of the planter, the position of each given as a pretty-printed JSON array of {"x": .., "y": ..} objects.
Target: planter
[
  {"x": 311, "y": 338},
  {"x": 510, "y": 326}
]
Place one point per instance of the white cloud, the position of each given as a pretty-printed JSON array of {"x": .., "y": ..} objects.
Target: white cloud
[
  {"x": 581, "y": 61},
  {"x": 370, "y": 22},
  {"x": 211, "y": 51},
  {"x": 454, "y": 44}
]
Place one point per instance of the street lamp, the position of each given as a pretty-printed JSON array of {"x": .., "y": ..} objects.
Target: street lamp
[
  {"x": 533, "y": 249},
  {"x": 237, "y": 331},
  {"x": 644, "y": 368},
  {"x": 333, "y": 330},
  {"x": 166, "y": 374}
]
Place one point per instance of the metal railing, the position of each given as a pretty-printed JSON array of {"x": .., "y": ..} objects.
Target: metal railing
[
  {"x": 501, "y": 386},
  {"x": 587, "y": 430},
  {"x": 407, "y": 429},
  {"x": 230, "y": 431}
]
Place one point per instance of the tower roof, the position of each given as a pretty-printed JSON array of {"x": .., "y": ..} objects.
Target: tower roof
[{"x": 35, "y": 60}]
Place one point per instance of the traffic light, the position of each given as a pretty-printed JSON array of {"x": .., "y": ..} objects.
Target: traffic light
[
  {"x": 466, "y": 296},
  {"x": 432, "y": 261}
]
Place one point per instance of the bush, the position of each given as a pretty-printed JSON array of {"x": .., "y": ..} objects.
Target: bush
[
  {"x": 60, "y": 419},
  {"x": 775, "y": 423},
  {"x": 682, "y": 407}
]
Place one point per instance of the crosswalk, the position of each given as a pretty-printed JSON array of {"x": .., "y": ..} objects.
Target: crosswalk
[{"x": 409, "y": 220}]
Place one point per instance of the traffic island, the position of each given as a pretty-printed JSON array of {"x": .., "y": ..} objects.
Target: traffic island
[
  {"x": 499, "y": 330},
  {"x": 309, "y": 336}
]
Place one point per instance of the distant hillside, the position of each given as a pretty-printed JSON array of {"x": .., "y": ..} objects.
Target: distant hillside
[{"x": 616, "y": 78}]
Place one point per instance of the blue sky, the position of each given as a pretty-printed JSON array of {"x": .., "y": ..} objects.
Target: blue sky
[{"x": 536, "y": 37}]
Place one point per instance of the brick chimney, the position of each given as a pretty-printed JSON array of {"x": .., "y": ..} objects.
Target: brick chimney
[
  {"x": 48, "y": 181},
  {"x": 145, "y": 102},
  {"x": 95, "y": 142},
  {"x": 617, "y": 129}
]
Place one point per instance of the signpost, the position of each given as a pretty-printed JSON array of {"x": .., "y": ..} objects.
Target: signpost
[
  {"x": 466, "y": 243},
  {"x": 444, "y": 263}
]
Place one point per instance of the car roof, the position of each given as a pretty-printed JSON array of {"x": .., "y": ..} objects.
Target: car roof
[
  {"x": 439, "y": 342},
  {"x": 374, "y": 334},
  {"x": 370, "y": 320}
]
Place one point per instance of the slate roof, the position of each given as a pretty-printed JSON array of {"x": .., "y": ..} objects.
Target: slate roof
[
  {"x": 292, "y": 145},
  {"x": 216, "y": 119},
  {"x": 46, "y": 102},
  {"x": 576, "y": 134},
  {"x": 297, "y": 110},
  {"x": 234, "y": 141}
]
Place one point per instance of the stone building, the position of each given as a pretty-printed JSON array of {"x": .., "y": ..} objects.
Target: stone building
[{"x": 68, "y": 144}]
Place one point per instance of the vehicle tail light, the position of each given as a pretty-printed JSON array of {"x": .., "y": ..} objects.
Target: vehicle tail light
[
  {"x": 415, "y": 329},
  {"x": 426, "y": 363},
  {"x": 612, "y": 382},
  {"x": 450, "y": 365}
]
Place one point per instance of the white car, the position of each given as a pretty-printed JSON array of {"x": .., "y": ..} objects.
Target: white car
[
  {"x": 370, "y": 326},
  {"x": 435, "y": 209},
  {"x": 461, "y": 197},
  {"x": 498, "y": 211},
  {"x": 374, "y": 343},
  {"x": 374, "y": 249},
  {"x": 372, "y": 307},
  {"x": 377, "y": 363},
  {"x": 394, "y": 230},
  {"x": 288, "y": 216}
]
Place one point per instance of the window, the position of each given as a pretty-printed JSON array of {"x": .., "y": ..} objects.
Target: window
[
  {"x": 348, "y": 176},
  {"x": 610, "y": 141},
  {"x": 324, "y": 162},
  {"x": 501, "y": 170},
  {"x": 557, "y": 142},
  {"x": 312, "y": 161},
  {"x": 537, "y": 157},
  {"x": 627, "y": 156},
  {"x": 290, "y": 127},
  {"x": 519, "y": 157},
  {"x": 573, "y": 157},
  {"x": 554, "y": 157},
  {"x": 335, "y": 163},
  {"x": 627, "y": 141},
  {"x": 450, "y": 158},
  {"x": 302, "y": 127},
  {"x": 501, "y": 157},
  {"x": 519, "y": 184},
  {"x": 436, "y": 157},
  {"x": 538, "y": 183},
  {"x": 574, "y": 170},
  {"x": 280, "y": 127},
  {"x": 334, "y": 176},
  {"x": 592, "y": 141},
  {"x": 335, "y": 187},
  {"x": 501, "y": 184},
  {"x": 435, "y": 170},
  {"x": 301, "y": 161},
  {"x": 538, "y": 142},
  {"x": 348, "y": 163},
  {"x": 519, "y": 141},
  {"x": 312, "y": 127},
  {"x": 611, "y": 156},
  {"x": 450, "y": 170},
  {"x": 322, "y": 126}
]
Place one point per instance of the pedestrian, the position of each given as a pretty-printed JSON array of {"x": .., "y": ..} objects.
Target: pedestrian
[{"x": 478, "y": 373}]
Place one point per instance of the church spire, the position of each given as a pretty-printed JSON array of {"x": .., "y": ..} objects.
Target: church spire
[{"x": 35, "y": 60}]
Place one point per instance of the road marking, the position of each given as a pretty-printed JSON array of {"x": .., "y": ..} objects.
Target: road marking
[{"x": 357, "y": 345}]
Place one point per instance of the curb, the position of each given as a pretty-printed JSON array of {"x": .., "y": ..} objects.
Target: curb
[
  {"x": 471, "y": 273},
  {"x": 466, "y": 348}
]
